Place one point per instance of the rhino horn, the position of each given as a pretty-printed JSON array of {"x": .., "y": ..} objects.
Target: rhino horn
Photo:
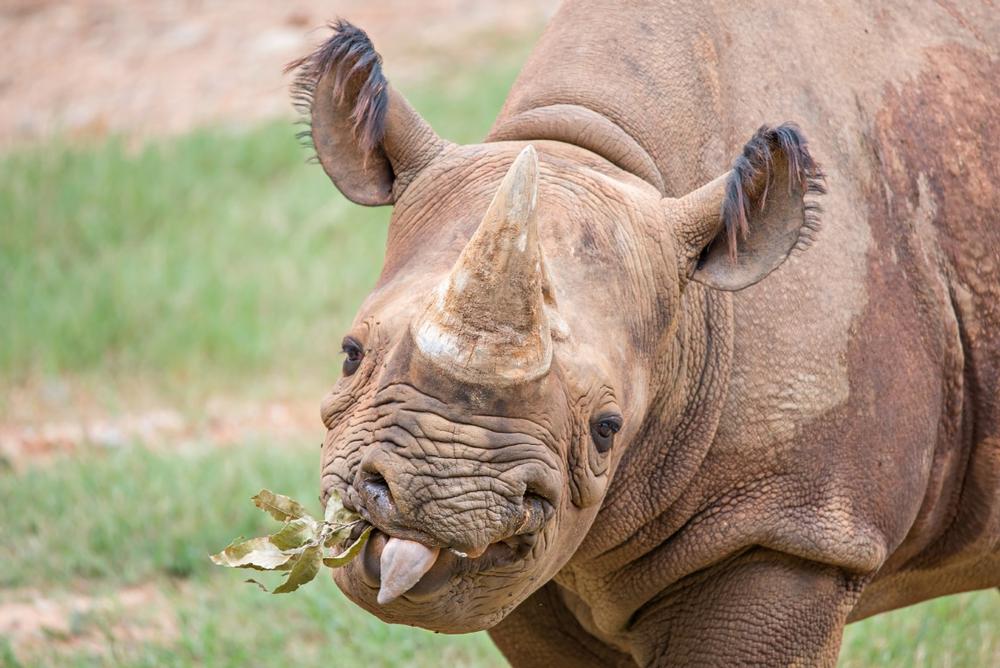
[{"x": 487, "y": 321}]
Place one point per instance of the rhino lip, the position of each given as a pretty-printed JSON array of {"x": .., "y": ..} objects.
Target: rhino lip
[{"x": 448, "y": 565}]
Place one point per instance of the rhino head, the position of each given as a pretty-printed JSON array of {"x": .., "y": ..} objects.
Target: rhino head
[{"x": 512, "y": 347}]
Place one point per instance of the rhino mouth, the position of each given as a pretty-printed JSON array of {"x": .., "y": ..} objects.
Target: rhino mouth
[{"x": 395, "y": 568}]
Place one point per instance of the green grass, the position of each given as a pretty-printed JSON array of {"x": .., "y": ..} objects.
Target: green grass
[
  {"x": 220, "y": 256},
  {"x": 954, "y": 631},
  {"x": 131, "y": 514},
  {"x": 214, "y": 254}
]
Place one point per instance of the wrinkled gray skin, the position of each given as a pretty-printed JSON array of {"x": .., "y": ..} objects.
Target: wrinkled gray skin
[{"x": 799, "y": 448}]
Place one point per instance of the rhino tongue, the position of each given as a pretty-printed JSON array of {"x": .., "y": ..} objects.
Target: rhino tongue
[{"x": 403, "y": 563}]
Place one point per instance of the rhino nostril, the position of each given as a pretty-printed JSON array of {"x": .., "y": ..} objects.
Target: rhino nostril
[
  {"x": 376, "y": 495},
  {"x": 375, "y": 486},
  {"x": 538, "y": 510},
  {"x": 539, "y": 492}
]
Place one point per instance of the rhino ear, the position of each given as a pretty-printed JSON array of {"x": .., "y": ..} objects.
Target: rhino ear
[
  {"x": 367, "y": 137},
  {"x": 737, "y": 229}
]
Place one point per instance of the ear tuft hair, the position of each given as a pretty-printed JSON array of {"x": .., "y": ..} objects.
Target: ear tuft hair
[
  {"x": 351, "y": 57},
  {"x": 755, "y": 164}
]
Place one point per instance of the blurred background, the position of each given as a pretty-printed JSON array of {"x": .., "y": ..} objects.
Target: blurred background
[{"x": 174, "y": 284}]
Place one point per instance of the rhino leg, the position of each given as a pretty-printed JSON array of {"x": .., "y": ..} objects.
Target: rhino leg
[
  {"x": 542, "y": 633},
  {"x": 760, "y": 608}
]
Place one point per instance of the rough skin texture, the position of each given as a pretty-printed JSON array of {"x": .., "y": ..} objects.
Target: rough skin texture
[{"x": 808, "y": 436}]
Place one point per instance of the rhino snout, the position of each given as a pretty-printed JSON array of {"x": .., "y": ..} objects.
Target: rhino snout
[{"x": 450, "y": 505}]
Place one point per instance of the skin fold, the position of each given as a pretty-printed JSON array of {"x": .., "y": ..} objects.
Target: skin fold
[{"x": 643, "y": 401}]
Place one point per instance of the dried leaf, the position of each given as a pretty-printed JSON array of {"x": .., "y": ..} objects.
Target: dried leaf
[
  {"x": 259, "y": 553},
  {"x": 305, "y": 569},
  {"x": 262, "y": 587},
  {"x": 295, "y": 534},
  {"x": 279, "y": 506},
  {"x": 297, "y": 547},
  {"x": 339, "y": 520},
  {"x": 354, "y": 550},
  {"x": 335, "y": 513},
  {"x": 336, "y": 534}
]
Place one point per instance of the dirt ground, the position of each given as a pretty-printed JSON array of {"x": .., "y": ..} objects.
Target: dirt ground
[
  {"x": 84, "y": 68},
  {"x": 223, "y": 422},
  {"x": 75, "y": 621}
]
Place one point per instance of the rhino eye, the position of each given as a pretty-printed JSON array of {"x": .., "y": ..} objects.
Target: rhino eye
[
  {"x": 354, "y": 353},
  {"x": 603, "y": 432}
]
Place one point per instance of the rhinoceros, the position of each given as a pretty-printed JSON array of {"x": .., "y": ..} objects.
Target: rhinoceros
[{"x": 631, "y": 389}]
